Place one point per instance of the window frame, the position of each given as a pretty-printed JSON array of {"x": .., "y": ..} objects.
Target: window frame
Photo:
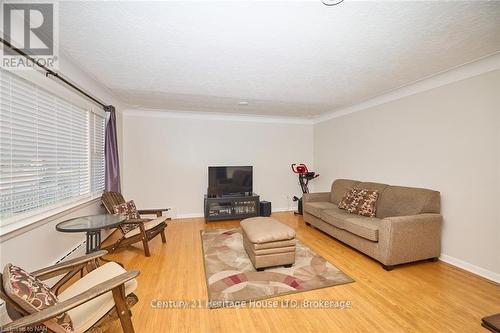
[{"x": 24, "y": 219}]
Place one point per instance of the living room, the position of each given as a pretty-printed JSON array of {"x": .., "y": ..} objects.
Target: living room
[{"x": 250, "y": 166}]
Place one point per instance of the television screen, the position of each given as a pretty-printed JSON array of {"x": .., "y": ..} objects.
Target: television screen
[{"x": 228, "y": 180}]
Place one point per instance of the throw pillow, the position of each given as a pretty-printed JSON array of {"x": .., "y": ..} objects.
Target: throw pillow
[
  {"x": 33, "y": 296},
  {"x": 360, "y": 201},
  {"x": 130, "y": 211}
]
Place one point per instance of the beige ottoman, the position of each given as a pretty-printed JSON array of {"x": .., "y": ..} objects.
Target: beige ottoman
[{"x": 268, "y": 242}]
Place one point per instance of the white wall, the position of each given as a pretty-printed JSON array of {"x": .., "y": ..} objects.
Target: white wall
[
  {"x": 447, "y": 139},
  {"x": 166, "y": 157}
]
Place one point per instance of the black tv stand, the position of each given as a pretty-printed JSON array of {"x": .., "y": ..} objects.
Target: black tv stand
[
  {"x": 231, "y": 207},
  {"x": 235, "y": 195}
]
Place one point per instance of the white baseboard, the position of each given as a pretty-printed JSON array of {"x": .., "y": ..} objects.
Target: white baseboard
[
  {"x": 188, "y": 216},
  {"x": 283, "y": 209},
  {"x": 487, "y": 274}
]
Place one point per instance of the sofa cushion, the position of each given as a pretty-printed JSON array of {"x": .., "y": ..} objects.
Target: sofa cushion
[
  {"x": 335, "y": 216},
  {"x": 402, "y": 201},
  {"x": 366, "y": 227},
  {"x": 360, "y": 201},
  {"x": 315, "y": 207},
  {"x": 372, "y": 186},
  {"x": 339, "y": 187}
]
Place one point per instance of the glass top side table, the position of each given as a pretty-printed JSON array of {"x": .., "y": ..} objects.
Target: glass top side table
[{"x": 92, "y": 226}]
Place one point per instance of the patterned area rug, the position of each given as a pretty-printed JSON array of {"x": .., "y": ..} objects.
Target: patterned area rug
[{"x": 231, "y": 276}]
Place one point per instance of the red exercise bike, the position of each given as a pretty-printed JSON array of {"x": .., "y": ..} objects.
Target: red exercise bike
[{"x": 304, "y": 177}]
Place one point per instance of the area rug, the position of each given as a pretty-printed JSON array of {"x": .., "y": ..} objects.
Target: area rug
[{"x": 231, "y": 277}]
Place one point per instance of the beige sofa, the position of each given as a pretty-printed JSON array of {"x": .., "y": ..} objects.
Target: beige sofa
[{"x": 407, "y": 226}]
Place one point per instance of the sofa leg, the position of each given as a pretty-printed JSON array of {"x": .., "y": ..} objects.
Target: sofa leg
[
  {"x": 288, "y": 266},
  {"x": 388, "y": 267},
  {"x": 308, "y": 224},
  {"x": 435, "y": 259},
  {"x": 260, "y": 269}
]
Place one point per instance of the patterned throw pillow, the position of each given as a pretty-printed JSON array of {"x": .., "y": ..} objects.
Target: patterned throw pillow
[
  {"x": 33, "y": 296},
  {"x": 360, "y": 201},
  {"x": 130, "y": 211}
]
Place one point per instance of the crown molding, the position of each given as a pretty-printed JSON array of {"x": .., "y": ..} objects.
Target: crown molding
[
  {"x": 156, "y": 113},
  {"x": 480, "y": 66}
]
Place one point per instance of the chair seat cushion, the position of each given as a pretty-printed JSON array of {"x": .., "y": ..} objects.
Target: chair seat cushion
[
  {"x": 315, "y": 208},
  {"x": 366, "y": 227},
  {"x": 87, "y": 314},
  {"x": 260, "y": 230},
  {"x": 33, "y": 295},
  {"x": 147, "y": 226}
]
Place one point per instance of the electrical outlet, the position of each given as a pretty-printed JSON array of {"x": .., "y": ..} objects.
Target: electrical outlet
[{"x": 171, "y": 212}]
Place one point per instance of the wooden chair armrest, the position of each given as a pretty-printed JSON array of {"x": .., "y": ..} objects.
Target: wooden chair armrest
[
  {"x": 65, "y": 266},
  {"x": 158, "y": 212},
  {"x": 71, "y": 303}
]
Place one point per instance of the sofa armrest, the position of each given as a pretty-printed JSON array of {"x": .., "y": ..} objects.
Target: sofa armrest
[
  {"x": 319, "y": 196},
  {"x": 410, "y": 238}
]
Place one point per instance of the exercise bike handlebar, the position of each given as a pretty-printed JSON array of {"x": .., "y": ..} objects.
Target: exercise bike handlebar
[{"x": 299, "y": 168}]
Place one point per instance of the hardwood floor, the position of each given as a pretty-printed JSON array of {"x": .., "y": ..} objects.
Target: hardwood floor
[{"x": 423, "y": 297}]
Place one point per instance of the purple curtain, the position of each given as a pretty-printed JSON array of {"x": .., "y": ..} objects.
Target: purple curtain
[{"x": 112, "y": 164}]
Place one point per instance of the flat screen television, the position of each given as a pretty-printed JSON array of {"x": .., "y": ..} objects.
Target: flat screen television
[{"x": 230, "y": 180}]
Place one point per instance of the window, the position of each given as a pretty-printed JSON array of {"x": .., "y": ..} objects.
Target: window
[{"x": 51, "y": 150}]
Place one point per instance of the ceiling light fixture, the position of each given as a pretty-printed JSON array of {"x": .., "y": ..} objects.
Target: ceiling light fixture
[
  {"x": 243, "y": 103},
  {"x": 331, "y": 2}
]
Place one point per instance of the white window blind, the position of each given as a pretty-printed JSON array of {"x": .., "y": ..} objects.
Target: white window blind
[{"x": 51, "y": 150}]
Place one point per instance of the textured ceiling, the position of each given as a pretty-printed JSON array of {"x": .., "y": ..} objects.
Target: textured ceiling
[{"x": 284, "y": 58}]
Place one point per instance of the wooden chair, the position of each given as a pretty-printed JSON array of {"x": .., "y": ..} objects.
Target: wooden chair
[
  {"x": 136, "y": 230},
  {"x": 80, "y": 300}
]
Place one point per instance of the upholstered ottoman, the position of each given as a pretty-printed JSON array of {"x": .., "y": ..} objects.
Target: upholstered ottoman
[{"x": 268, "y": 242}]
